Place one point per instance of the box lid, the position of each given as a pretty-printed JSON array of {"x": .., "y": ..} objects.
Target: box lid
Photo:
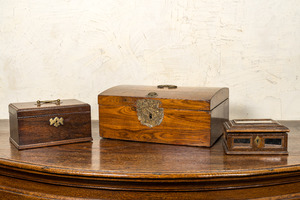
[
  {"x": 29, "y": 109},
  {"x": 254, "y": 126},
  {"x": 191, "y": 98}
]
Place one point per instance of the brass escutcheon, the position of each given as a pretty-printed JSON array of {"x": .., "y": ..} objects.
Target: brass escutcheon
[
  {"x": 39, "y": 103},
  {"x": 56, "y": 121},
  {"x": 152, "y": 94},
  {"x": 149, "y": 113},
  {"x": 257, "y": 141}
]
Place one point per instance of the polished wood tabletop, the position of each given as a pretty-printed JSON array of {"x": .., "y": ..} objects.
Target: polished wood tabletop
[{"x": 115, "y": 169}]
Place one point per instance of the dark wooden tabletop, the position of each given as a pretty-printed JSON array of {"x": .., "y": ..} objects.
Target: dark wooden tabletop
[{"x": 130, "y": 162}]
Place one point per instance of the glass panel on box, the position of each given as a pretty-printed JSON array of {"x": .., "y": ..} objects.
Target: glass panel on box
[
  {"x": 242, "y": 142},
  {"x": 273, "y": 141}
]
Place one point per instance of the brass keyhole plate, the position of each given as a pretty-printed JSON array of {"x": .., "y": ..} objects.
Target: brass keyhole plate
[
  {"x": 56, "y": 121},
  {"x": 149, "y": 113},
  {"x": 257, "y": 141}
]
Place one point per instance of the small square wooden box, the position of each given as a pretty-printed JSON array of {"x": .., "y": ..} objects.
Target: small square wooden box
[
  {"x": 39, "y": 124},
  {"x": 163, "y": 114},
  {"x": 255, "y": 136}
]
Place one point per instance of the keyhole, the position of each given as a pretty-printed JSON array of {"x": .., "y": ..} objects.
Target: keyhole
[{"x": 150, "y": 115}]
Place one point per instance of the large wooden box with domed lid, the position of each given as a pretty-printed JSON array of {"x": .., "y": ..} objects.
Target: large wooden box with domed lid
[{"x": 166, "y": 114}]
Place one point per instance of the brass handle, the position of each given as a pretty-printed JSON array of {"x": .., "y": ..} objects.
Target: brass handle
[
  {"x": 168, "y": 86},
  {"x": 39, "y": 103}
]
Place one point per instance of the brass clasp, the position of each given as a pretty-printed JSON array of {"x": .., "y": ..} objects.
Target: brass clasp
[{"x": 39, "y": 103}]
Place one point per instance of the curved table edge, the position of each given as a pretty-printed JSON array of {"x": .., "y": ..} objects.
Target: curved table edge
[{"x": 111, "y": 174}]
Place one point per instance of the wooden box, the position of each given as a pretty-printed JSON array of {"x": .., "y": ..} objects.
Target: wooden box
[
  {"x": 47, "y": 123},
  {"x": 255, "y": 136},
  {"x": 163, "y": 114}
]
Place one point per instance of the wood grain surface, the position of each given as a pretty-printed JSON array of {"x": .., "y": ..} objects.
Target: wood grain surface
[
  {"x": 114, "y": 169},
  {"x": 255, "y": 136},
  {"x": 192, "y": 116},
  {"x": 189, "y": 98},
  {"x": 30, "y": 109},
  {"x": 30, "y": 127},
  {"x": 180, "y": 127},
  {"x": 257, "y": 126}
]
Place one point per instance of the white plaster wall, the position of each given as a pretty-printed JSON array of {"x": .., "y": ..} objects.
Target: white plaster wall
[{"x": 78, "y": 48}]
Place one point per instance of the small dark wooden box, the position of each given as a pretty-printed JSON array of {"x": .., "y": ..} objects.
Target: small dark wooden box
[
  {"x": 163, "y": 114},
  {"x": 255, "y": 136},
  {"x": 42, "y": 124}
]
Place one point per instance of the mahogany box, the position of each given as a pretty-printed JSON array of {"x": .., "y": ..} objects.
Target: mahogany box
[
  {"x": 163, "y": 114},
  {"x": 255, "y": 136},
  {"x": 47, "y": 123}
]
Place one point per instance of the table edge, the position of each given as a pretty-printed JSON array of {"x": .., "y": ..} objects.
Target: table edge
[{"x": 112, "y": 174}]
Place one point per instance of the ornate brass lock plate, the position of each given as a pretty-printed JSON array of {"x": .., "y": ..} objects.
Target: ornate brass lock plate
[{"x": 149, "y": 113}]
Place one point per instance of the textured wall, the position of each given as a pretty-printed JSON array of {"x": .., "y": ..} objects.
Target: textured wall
[{"x": 76, "y": 49}]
